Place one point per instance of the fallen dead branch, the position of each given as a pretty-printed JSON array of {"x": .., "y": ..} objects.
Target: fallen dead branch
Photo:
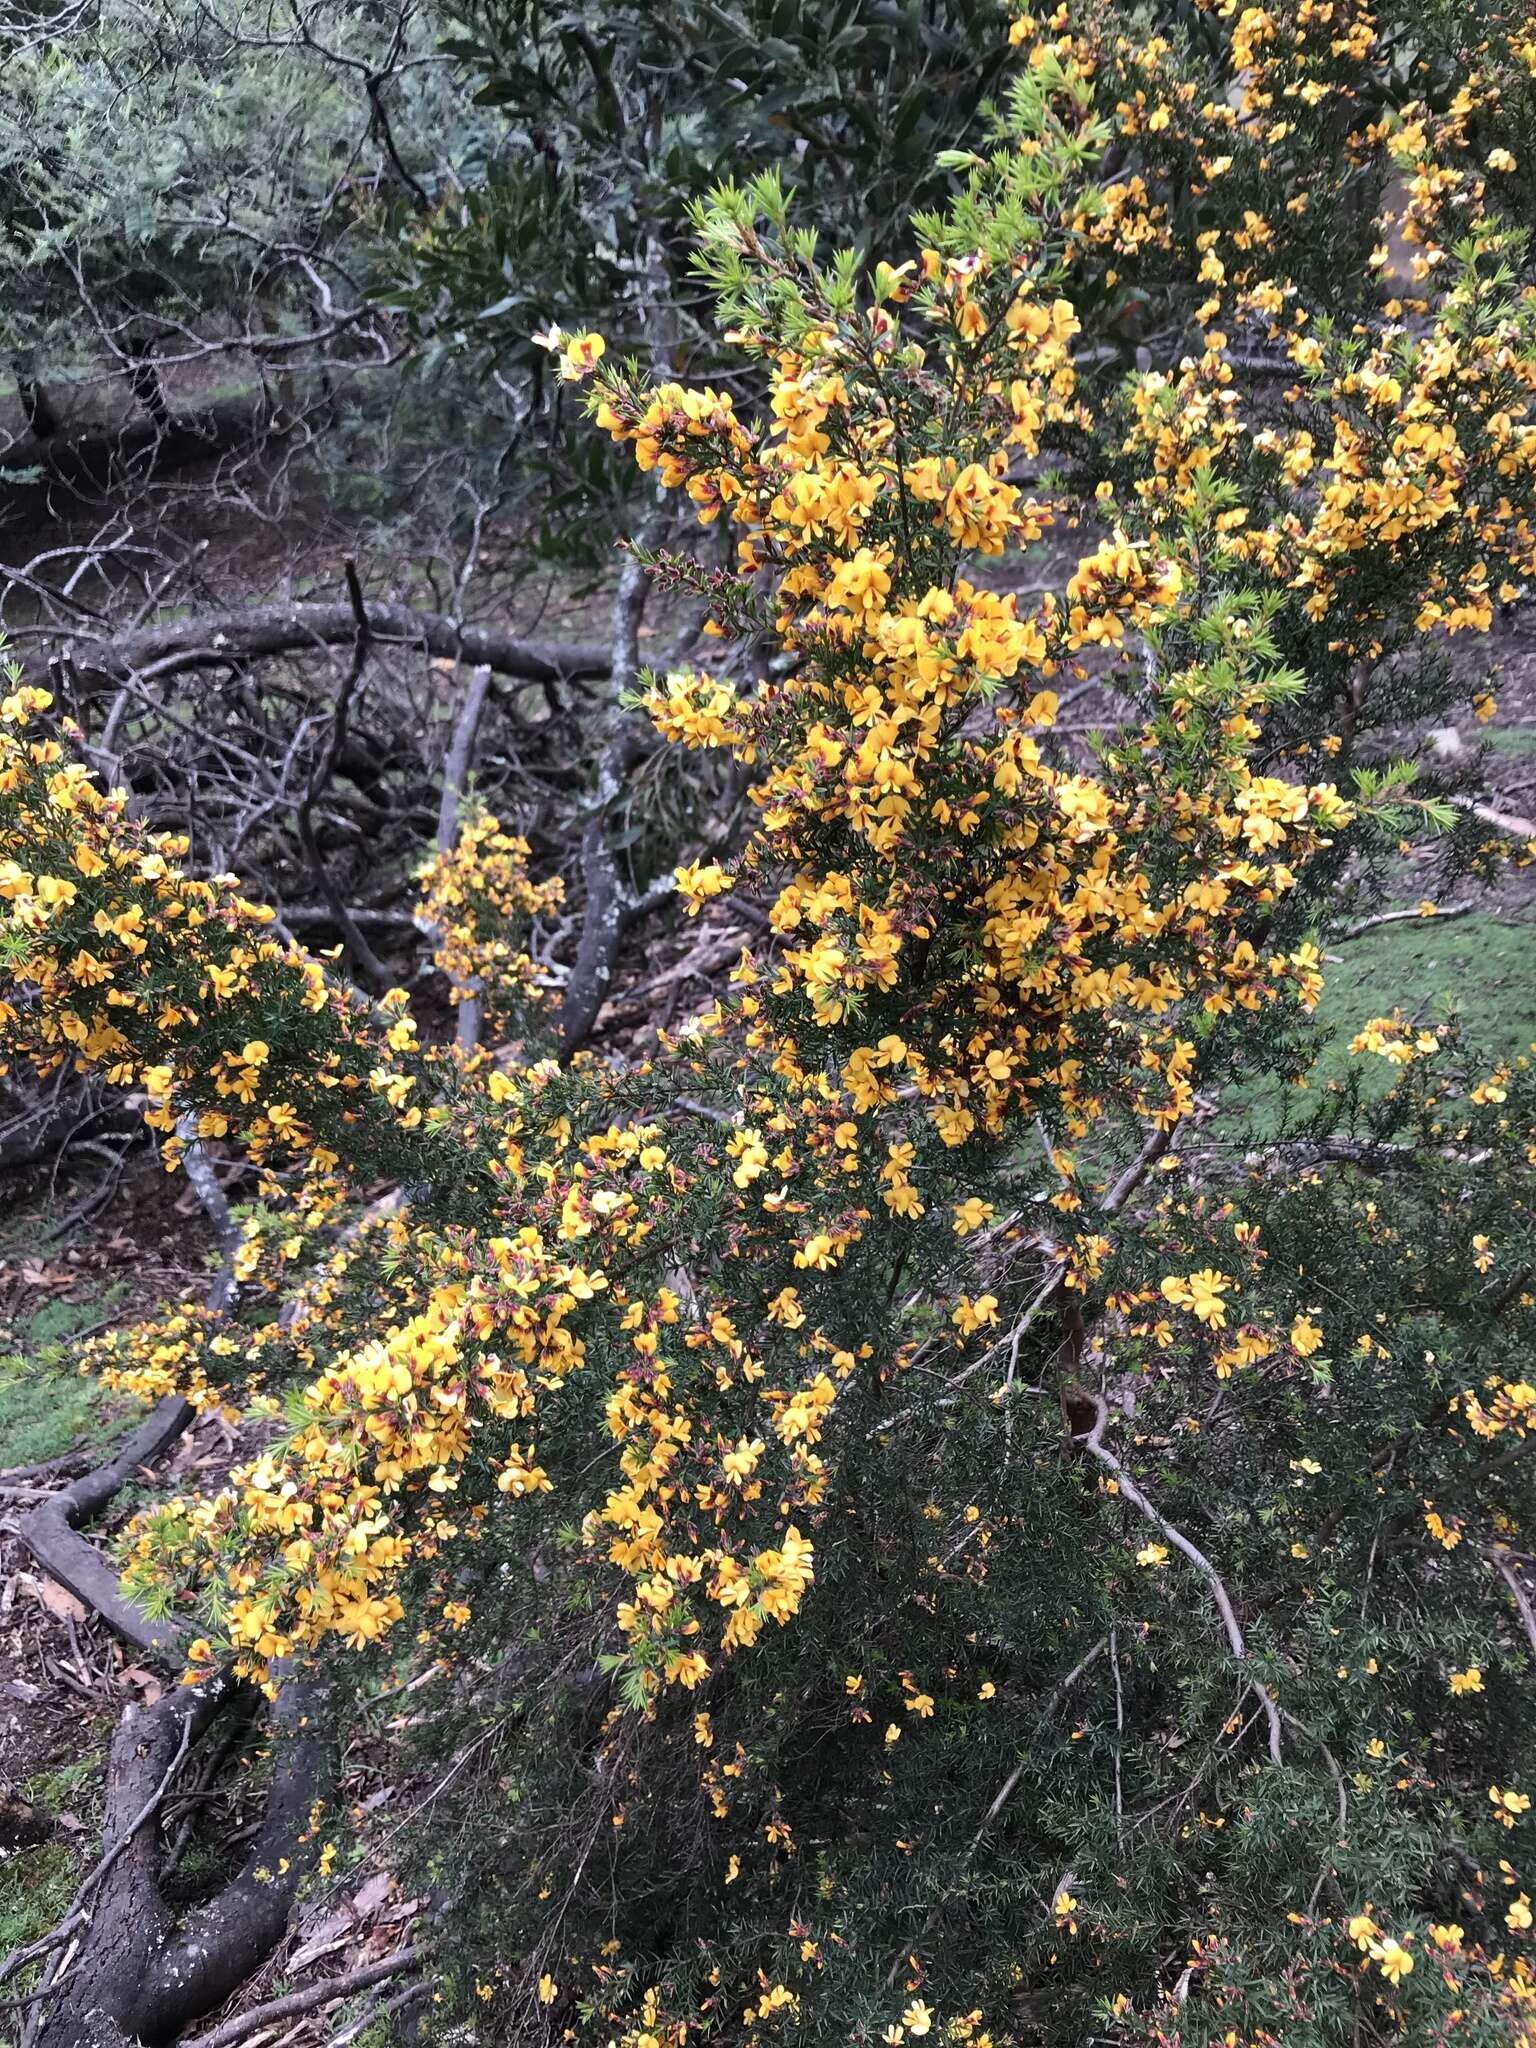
[
  {"x": 125, "y": 1967},
  {"x": 313, "y": 1996},
  {"x": 1414, "y": 916},
  {"x": 211, "y": 639},
  {"x": 51, "y": 1531}
]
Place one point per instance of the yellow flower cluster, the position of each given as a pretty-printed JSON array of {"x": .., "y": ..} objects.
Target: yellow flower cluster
[
  {"x": 127, "y": 960},
  {"x": 1512, "y": 1408},
  {"x": 967, "y": 933},
  {"x": 476, "y": 900},
  {"x": 1500, "y": 1982},
  {"x": 983, "y": 914}
]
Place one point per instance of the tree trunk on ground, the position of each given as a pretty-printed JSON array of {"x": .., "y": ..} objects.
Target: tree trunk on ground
[
  {"x": 134, "y": 1972},
  {"x": 149, "y": 392},
  {"x": 42, "y": 421},
  {"x": 141, "y": 1976}
]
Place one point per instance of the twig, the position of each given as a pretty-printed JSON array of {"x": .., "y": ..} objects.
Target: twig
[
  {"x": 1369, "y": 924},
  {"x": 413, "y": 1994},
  {"x": 1519, "y": 1595},
  {"x": 1093, "y": 1443},
  {"x": 1501, "y": 821},
  {"x": 1339, "y": 1786},
  {"x": 1138, "y": 1170},
  {"x": 1051, "y": 1286},
  {"x": 1114, "y": 1658},
  {"x": 371, "y": 83},
  {"x": 298, "y": 915},
  {"x": 1011, "y": 1783},
  {"x": 359, "y": 952},
  {"x": 293, "y": 2002},
  {"x": 218, "y": 1755},
  {"x": 1046, "y": 1294}
]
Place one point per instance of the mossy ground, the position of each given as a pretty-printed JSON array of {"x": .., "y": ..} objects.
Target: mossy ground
[
  {"x": 36, "y": 1885},
  {"x": 1511, "y": 739},
  {"x": 46, "y": 1407},
  {"x": 1479, "y": 970}
]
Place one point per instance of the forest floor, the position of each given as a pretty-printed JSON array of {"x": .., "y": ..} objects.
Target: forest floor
[{"x": 64, "y": 1679}]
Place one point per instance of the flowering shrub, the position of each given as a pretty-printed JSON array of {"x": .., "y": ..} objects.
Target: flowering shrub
[{"x": 946, "y": 1523}]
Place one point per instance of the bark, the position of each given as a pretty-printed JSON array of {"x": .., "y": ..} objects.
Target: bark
[
  {"x": 365, "y": 963},
  {"x": 213, "y": 639},
  {"x": 307, "y": 2000},
  {"x": 140, "y": 1977},
  {"x": 147, "y": 1749},
  {"x": 222, "y": 1943},
  {"x": 306, "y": 916},
  {"x": 51, "y": 1531},
  {"x": 42, "y": 421},
  {"x": 610, "y": 907},
  {"x": 204, "y": 1183},
  {"x": 461, "y": 754}
]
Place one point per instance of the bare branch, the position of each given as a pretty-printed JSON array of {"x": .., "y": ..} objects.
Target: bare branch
[
  {"x": 1369, "y": 924},
  {"x": 1093, "y": 1443},
  {"x": 50, "y": 1532},
  {"x": 461, "y": 753},
  {"x": 214, "y": 639},
  {"x": 362, "y": 956},
  {"x": 1518, "y": 1594},
  {"x": 610, "y": 907},
  {"x": 313, "y": 1995}
]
